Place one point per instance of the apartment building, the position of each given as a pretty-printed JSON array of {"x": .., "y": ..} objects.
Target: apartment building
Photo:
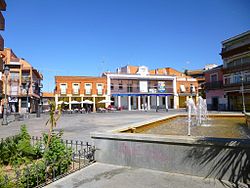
[
  {"x": 73, "y": 90},
  {"x": 215, "y": 95},
  {"x": 2, "y": 27},
  {"x": 23, "y": 84},
  {"x": 236, "y": 71}
]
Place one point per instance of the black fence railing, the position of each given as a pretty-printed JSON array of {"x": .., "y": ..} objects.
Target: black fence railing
[
  {"x": 214, "y": 85},
  {"x": 42, "y": 172}
]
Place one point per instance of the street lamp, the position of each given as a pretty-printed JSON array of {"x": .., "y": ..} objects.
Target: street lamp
[
  {"x": 40, "y": 86},
  {"x": 27, "y": 96},
  {"x": 242, "y": 92},
  {"x": 6, "y": 73}
]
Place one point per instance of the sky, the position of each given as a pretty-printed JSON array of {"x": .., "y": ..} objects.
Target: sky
[{"x": 88, "y": 37}]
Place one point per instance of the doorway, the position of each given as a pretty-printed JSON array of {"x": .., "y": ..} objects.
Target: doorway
[{"x": 215, "y": 103}]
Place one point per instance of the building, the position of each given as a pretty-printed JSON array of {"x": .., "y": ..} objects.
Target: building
[
  {"x": 2, "y": 27},
  {"x": 199, "y": 75},
  {"x": 73, "y": 90},
  {"x": 136, "y": 87},
  {"x": 215, "y": 95},
  {"x": 46, "y": 97},
  {"x": 24, "y": 83},
  {"x": 235, "y": 54},
  {"x": 186, "y": 86}
]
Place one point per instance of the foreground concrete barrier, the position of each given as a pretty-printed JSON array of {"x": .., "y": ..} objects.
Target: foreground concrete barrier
[{"x": 226, "y": 159}]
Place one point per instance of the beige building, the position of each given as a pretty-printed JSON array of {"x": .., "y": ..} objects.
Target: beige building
[{"x": 24, "y": 83}]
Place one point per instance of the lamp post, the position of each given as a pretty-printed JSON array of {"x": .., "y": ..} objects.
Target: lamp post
[
  {"x": 6, "y": 73},
  {"x": 27, "y": 96},
  {"x": 242, "y": 92},
  {"x": 39, "y": 100}
]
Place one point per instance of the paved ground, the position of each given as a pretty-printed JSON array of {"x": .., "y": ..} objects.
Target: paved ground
[
  {"x": 78, "y": 126},
  {"x": 101, "y": 175}
]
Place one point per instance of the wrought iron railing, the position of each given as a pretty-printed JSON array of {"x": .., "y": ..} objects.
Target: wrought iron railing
[{"x": 41, "y": 173}]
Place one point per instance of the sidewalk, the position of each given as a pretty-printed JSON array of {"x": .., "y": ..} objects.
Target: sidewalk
[{"x": 101, "y": 175}]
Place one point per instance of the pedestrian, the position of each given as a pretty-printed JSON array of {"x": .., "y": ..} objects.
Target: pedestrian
[
  {"x": 157, "y": 108},
  {"x": 145, "y": 107}
]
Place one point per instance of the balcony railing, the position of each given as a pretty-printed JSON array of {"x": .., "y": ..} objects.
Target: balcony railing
[
  {"x": 76, "y": 91},
  {"x": 237, "y": 68},
  {"x": 214, "y": 85},
  {"x": 236, "y": 84},
  {"x": 25, "y": 79},
  {"x": 88, "y": 91},
  {"x": 63, "y": 91}
]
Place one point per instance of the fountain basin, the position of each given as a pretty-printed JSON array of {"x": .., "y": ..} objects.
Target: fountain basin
[
  {"x": 219, "y": 126},
  {"x": 221, "y": 158}
]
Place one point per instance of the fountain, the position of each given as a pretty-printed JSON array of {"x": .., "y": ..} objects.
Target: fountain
[{"x": 199, "y": 112}]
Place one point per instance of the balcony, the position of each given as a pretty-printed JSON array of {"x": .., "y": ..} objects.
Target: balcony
[
  {"x": 99, "y": 91},
  {"x": 245, "y": 83},
  {"x": 76, "y": 91},
  {"x": 214, "y": 85},
  {"x": 2, "y": 5},
  {"x": 230, "y": 51},
  {"x": 236, "y": 68},
  {"x": 63, "y": 91},
  {"x": 2, "y": 22},
  {"x": 88, "y": 92},
  {"x": 25, "y": 79},
  {"x": 1, "y": 43}
]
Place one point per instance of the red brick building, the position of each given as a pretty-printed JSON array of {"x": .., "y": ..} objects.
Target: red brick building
[{"x": 80, "y": 88}]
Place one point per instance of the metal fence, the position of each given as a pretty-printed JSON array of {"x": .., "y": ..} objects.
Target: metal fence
[{"x": 42, "y": 172}]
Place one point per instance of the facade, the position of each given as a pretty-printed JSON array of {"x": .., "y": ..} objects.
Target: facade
[
  {"x": 2, "y": 27},
  {"x": 46, "y": 97},
  {"x": 24, "y": 84},
  {"x": 236, "y": 71},
  {"x": 73, "y": 90},
  {"x": 199, "y": 75},
  {"x": 215, "y": 95},
  {"x": 2, "y": 23},
  {"x": 136, "y": 87},
  {"x": 186, "y": 86}
]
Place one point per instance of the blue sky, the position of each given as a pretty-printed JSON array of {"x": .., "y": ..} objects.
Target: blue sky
[{"x": 87, "y": 37}]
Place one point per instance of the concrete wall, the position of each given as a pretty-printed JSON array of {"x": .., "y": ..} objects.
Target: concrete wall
[{"x": 206, "y": 157}]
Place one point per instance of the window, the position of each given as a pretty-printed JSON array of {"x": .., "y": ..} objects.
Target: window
[
  {"x": 76, "y": 88},
  {"x": 182, "y": 88},
  {"x": 237, "y": 78},
  {"x": 192, "y": 88},
  {"x": 88, "y": 87},
  {"x": 14, "y": 76},
  {"x": 129, "y": 88},
  {"x": 112, "y": 86},
  {"x": 213, "y": 78},
  {"x": 63, "y": 88},
  {"x": 99, "y": 89},
  {"x": 120, "y": 86},
  {"x": 247, "y": 77},
  {"x": 227, "y": 80}
]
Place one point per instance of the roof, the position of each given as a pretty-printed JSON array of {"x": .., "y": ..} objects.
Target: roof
[
  {"x": 215, "y": 68},
  {"x": 236, "y": 37},
  {"x": 48, "y": 94},
  {"x": 77, "y": 77},
  {"x": 197, "y": 71}
]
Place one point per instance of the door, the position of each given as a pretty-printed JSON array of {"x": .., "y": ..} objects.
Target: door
[{"x": 215, "y": 102}]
